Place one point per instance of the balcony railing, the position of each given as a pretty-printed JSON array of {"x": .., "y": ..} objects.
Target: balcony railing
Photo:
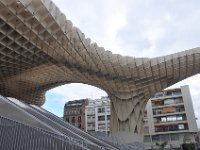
[
  {"x": 161, "y": 103},
  {"x": 163, "y": 112},
  {"x": 91, "y": 120},
  {"x": 163, "y": 95},
  {"x": 169, "y": 127},
  {"x": 175, "y": 121}
]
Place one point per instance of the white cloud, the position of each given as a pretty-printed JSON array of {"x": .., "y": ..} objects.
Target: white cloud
[{"x": 77, "y": 91}]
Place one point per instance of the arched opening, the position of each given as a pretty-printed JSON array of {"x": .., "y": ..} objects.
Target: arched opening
[{"x": 57, "y": 97}]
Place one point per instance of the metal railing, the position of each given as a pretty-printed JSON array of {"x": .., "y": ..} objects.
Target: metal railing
[
  {"x": 18, "y": 136},
  {"x": 68, "y": 131},
  {"x": 78, "y": 131}
]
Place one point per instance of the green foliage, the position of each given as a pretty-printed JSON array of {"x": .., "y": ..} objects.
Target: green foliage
[
  {"x": 188, "y": 146},
  {"x": 161, "y": 145}
]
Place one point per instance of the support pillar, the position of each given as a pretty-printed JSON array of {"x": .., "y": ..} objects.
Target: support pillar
[{"x": 127, "y": 117}]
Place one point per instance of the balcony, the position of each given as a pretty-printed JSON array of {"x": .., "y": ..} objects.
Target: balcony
[
  {"x": 91, "y": 120},
  {"x": 167, "y": 94},
  {"x": 169, "y": 110},
  {"x": 167, "y": 102},
  {"x": 168, "y": 119},
  {"x": 167, "y": 127},
  {"x": 168, "y": 123},
  {"x": 91, "y": 128},
  {"x": 90, "y": 113}
]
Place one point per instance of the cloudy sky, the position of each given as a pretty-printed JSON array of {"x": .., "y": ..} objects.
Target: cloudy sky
[{"x": 139, "y": 28}]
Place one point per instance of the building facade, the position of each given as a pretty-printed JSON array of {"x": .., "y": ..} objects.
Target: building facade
[
  {"x": 97, "y": 115},
  {"x": 74, "y": 112},
  {"x": 170, "y": 118},
  {"x": 88, "y": 114}
]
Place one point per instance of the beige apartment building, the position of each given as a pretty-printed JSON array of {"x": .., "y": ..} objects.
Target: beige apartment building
[
  {"x": 170, "y": 118},
  {"x": 74, "y": 113}
]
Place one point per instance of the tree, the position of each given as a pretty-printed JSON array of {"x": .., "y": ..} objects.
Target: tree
[{"x": 161, "y": 145}]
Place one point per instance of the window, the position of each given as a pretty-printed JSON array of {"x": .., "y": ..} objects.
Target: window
[
  {"x": 79, "y": 119},
  {"x": 80, "y": 111},
  {"x": 147, "y": 138},
  {"x": 101, "y": 118},
  {"x": 178, "y": 100},
  {"x": 158, "y": 129},
  {"x": 168, "y": 92},
  {"x": 164, "y": 137},
  {"x": 169, "y": 101},
  {"x": 180, "y": 109},
  {"x": 171, "y": 118},
  {"x": 67, "y": 119},
  {"x": 173, "y": 128},
  {"x": 181, "y": 126},
  {"x": 108, "y": 109},
  {"x": 158, "y": 111},
  {"x": 163, "y": 119},
  {"x": 174, "y": 137},
  {"x": 66, "y": 112},
  {"x": 176, "y": 92},
  {"x": 179, "y": 118},
  {"x": 101, "y": 110},
  {"x": 155, "y": 138},
  {"x": 108, "y": 117},
  {"x": 73, "y": 119}
]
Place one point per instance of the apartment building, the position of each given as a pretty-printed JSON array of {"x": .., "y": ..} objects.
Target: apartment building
[
  {"x": 88, "y": 114},
  {"x": 170, "y": 118},
  {"x": 97, "y": 115},
  {"x": 74, "y": 112}
]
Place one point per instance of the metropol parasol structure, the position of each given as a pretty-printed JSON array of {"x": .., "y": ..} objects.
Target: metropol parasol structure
[{"x": 40, "y": 49}]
